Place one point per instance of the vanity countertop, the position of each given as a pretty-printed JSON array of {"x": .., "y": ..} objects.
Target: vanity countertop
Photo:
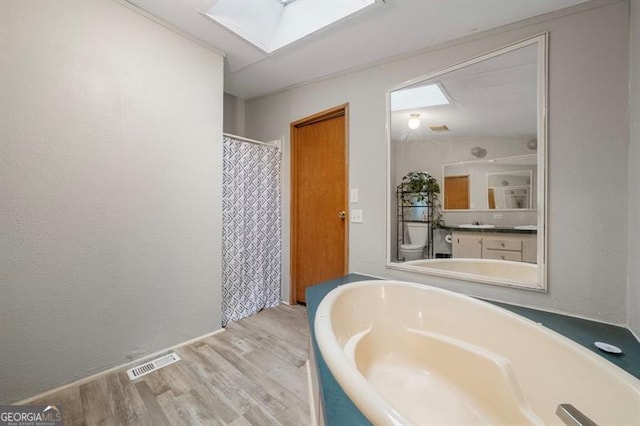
[
  {"x": 340, "y": 410},
  {"x": 495, "y": 230}
]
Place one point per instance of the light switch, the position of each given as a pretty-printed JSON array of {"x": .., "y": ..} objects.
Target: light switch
[
  {"x": 356, "y": 216},
  {"x": 354, "y": 195}
]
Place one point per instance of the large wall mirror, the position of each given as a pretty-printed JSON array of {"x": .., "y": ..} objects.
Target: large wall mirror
[{"x": 467, "y": 161}]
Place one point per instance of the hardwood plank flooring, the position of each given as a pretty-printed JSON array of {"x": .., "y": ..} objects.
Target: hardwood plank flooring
[{"x": 251, "y": 374}]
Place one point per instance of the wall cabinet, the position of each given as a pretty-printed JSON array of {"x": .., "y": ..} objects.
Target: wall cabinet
[{"x": 500, "y": 246}]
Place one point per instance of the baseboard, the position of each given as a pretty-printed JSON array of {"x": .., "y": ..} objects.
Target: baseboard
[{"x": 116, "y": 368}]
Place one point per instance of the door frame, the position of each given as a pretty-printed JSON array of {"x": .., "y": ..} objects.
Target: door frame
[{"x": 340, "y": 110}]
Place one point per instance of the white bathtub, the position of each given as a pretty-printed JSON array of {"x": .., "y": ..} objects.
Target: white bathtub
[
  {"x": 492, "y": 271},
  {"x": 413, "y": 354}
]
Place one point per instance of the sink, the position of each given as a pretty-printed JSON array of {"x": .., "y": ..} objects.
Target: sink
[
  {"x": 527, "y": 227},
  {"x": 470, "y": 226}
]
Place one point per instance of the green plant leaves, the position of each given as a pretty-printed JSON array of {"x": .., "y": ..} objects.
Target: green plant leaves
[{"x": 421, "y": 187}]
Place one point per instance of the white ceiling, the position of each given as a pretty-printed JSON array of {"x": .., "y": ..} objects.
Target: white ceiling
[
  {"x": 389, "y": 29},
  {"x": 492, "y": 99}
]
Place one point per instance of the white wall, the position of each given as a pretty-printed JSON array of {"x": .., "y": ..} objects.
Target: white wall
[
  {"x": 110, "y": 190},
  {"x": 633, "y": 299},
  {"x": 588, "y": 131},
  {"x": 233, "y": 115}
]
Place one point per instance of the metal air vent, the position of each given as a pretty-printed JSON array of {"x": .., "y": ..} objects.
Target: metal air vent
[{"x": 153, "y": 365}]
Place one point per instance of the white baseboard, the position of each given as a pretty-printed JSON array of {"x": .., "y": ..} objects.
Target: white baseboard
[{"x": 116, "y": 368}]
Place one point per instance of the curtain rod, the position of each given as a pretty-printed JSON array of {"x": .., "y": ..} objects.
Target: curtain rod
[{"x": 275, "y": 143}]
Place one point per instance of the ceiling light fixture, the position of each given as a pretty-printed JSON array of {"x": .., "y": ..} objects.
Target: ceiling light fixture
[{"x": 414, "y": 121}]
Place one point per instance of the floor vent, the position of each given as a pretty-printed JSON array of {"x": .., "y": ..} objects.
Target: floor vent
[{"x": 153, "y": 365}]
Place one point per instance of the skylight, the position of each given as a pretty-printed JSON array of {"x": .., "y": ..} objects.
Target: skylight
[
  {"x": 418, "y": 97},
  {"x": 271, "y": 25}
]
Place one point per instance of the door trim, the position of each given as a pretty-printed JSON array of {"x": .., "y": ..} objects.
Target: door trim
[{"x": 340, "y": 110}]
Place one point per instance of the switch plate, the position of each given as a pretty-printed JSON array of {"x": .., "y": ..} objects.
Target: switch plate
[
  {"x": 356, "y": 216},
  {"x": 353, "y": 197}
]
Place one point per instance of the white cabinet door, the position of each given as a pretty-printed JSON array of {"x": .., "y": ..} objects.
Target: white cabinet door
[
  {"x": 467, "y": 245},
  {"x": 530, "y": 249}
]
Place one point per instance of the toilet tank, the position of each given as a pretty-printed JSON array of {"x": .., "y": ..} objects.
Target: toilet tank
[{"x": 417, "y": 232}]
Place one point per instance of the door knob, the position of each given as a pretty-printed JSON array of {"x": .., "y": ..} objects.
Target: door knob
[{"x": 342, "y": 214}]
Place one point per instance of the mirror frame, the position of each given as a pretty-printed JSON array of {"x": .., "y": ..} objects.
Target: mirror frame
[{"x": 541, "y": 41}]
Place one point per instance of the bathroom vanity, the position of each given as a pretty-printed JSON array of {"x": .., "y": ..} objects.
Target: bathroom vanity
[{"x": 494, "y": 243}]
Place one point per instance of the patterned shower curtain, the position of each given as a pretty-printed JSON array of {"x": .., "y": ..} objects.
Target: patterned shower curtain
[{"x": 251, "y": 229}]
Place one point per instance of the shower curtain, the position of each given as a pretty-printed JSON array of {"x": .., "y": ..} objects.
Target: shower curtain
[{"x": 251, "y": 232}]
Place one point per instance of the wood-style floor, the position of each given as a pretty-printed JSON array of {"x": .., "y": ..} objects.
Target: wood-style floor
[{"x": 251, "y": 374}]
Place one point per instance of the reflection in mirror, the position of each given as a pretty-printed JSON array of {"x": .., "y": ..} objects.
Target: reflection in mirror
[
  {"x": 509, "y": 190},
  {"x": 476, "y": 130},
  {"x": 494, "y": 184}
]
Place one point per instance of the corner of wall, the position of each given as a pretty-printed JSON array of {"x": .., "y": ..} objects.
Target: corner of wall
[
  {"x": 234, "y": 115},
  {"x": 633, "y": 245}
]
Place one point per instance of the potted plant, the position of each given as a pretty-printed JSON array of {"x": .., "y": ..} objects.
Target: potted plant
[{"x": 422, "y": 189}]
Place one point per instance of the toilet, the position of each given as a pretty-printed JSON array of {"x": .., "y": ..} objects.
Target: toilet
[{"x": 414, "y": 250}]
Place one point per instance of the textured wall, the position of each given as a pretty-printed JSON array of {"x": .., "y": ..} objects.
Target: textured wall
[
  {"x": 588, "y": 140},
  {"x": 110, "y": 190},
  {"x": 634, "y": 172},
  {"x": 233, "y": 115}
]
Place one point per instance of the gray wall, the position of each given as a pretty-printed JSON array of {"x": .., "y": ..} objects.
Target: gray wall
[
  {"x": 233, "y": 115},
  {"x": 588, "y": 131},
  {"x": 110, "y": 191},
  {"x": 633, "y": 299}
]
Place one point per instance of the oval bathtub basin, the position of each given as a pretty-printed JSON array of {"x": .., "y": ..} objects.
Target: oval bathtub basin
[
  {"x": 413, "y": 354},
  {"x": 484, "y": 270}
]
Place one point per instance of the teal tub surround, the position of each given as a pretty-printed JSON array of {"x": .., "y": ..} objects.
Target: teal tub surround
[
  {"x": 336, "y": 405},
  {"x": 339, "y": 410}
]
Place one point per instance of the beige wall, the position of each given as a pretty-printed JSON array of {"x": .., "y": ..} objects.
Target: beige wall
[
  {"x": 633, "y": 299},
  {"x": 110, "y": 190},
  {"x": 588, "y": 147}
]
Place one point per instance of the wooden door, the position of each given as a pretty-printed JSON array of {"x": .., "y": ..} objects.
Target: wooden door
[
  {"x": 492, "y": 199},
  {"x": 319, "y": 223},
  {"x": 456, "y": 192}
]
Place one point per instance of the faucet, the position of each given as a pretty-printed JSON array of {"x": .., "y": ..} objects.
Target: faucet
[
  {"x": 477, "y": 222},
  {"x": 571, "y": 416}
]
